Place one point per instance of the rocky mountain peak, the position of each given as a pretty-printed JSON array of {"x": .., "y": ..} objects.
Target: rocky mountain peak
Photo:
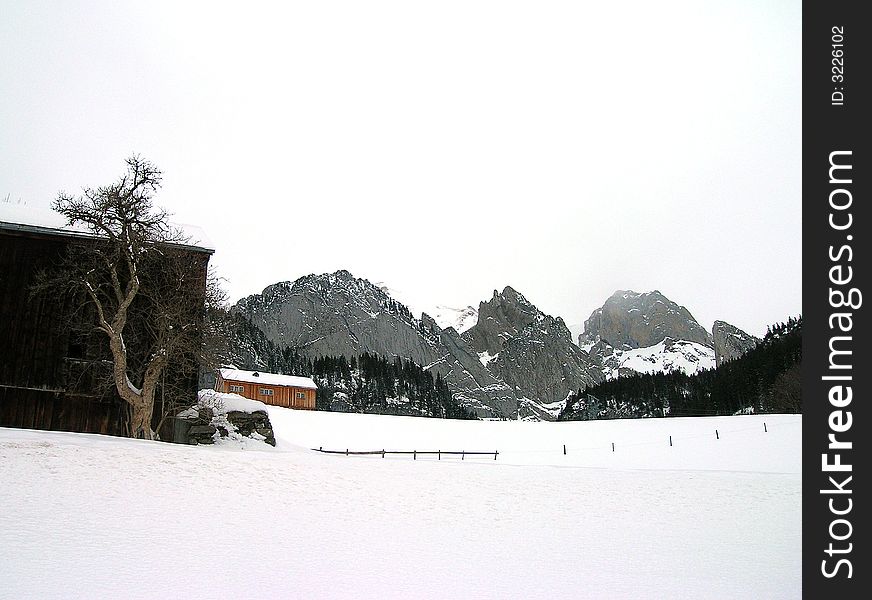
[
  {"x": 502, "y": 317},
  {"x": 331, "y": 313},
  {"x": 323, "y": 285},
  {"x": 630, "y": 320},
  {"x": 510, "y": 294},
  {"x": 730, "y": 342},
  {"x": 531, "y": 351},
  {"x": 644, "y": 333}
]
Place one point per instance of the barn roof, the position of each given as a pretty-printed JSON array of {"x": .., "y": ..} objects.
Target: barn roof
[
  {"x": 31, "y": 219},
  {"x": 267, "y": 378}
]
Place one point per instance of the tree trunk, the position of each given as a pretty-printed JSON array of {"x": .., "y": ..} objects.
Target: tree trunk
[
  {"x": 141, "y": 401},
  {"x": 140, "y": 420}
]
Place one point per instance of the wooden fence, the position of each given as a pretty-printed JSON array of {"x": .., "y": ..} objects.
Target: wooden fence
[{"x": 415, "y": 453}]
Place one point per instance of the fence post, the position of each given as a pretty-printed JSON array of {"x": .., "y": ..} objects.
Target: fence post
[
  {"x": 414, "y": 455},
  {"x": 717, "y": 437},
  {"x": 463, "y": 455},
  {"x": 346, "y": 452},
  {"x": 764, "y": 427},
  {"x": 495, "y": 454},
  {"x": 383, "y": 452},
  {"x": 564, "y": 449},
  {"x": 440, "y": 454},
  {"x": 613, "y": 446},
  {"x": 670, "y": 441}
]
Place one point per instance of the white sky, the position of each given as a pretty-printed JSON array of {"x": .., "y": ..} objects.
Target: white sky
[{"x": 445, "y": 148}]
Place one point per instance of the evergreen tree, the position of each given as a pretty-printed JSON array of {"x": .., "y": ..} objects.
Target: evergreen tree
[{"x": 377, "y": 385}]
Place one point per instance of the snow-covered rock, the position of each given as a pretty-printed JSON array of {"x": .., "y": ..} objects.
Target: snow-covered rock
[
  {"x": 646, "y": 333},
  {"x": 662, "y": 357},
  {"x": 220, "y": 418},
  {"x": 459, "y": 319}
]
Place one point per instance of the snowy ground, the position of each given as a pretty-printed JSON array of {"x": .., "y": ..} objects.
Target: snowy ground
[{"x": 97, "y": 517}]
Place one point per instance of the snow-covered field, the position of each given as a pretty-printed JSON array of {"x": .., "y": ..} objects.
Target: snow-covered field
[{"x": 87, "y": 516}]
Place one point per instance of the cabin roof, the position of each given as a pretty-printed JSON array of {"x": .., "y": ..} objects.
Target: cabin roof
[
  {"x": 31, "y": 219},
  {"x": 267, "y": 378}
]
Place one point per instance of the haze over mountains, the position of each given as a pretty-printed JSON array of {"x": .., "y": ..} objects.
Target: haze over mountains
[{"x": 505, "y": 359}]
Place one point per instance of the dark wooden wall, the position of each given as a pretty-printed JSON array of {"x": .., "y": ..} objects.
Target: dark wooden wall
[
  {"x": 33, "y": 338},
  {"x": 58, "y": 411},
  {"x": 52, "y": 363}
]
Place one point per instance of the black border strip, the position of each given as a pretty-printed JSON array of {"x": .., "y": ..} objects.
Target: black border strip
[{"x": 836, "y": 107}]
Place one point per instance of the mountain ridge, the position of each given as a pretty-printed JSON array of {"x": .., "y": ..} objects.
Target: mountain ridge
[{"x": 513, "y": 361}]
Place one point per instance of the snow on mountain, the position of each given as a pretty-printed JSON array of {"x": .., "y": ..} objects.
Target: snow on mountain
[
  {"x": 460, "y": 319},
  {"x": 663, "y": 357},
  {"x": 486, "y": 357},
  {"x": 287, "y": 522},
  {"x": 646, "y": 333}
]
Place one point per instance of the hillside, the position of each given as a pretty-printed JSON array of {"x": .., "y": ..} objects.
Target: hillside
[
  {"x": 371, "y": 384},
  {"x": 364, "y": 383}
]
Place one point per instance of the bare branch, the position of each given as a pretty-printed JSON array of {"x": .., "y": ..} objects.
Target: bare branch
[{"x": 146, "y": 293}]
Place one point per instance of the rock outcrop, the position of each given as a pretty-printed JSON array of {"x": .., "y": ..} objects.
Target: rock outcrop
[
  {"x": 645, "y": 333},
  {"x": 730, "y": 342},
  {"x": 632, "y": 320},
  {"x": 200, "y": 425},
  {"x": 530, "y": 351}
]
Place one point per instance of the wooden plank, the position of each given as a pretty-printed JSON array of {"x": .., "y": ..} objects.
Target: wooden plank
[{"x": 36, "y": 344}]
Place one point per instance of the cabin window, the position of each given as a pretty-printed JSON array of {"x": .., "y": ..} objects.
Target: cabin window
[
  {"x": 266, "y": 392},
  {"x": 301, "y": 395},
  {"x": 237, "y": 388}
]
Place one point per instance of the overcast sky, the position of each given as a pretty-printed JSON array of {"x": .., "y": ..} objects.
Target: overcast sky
[{"x": 444, "y": 148}]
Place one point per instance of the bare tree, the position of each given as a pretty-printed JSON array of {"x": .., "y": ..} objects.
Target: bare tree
[
  {"x": 203, "y": 358},
  {"x": 215, "y": 346},
  {"x": 145, "y": 288}
]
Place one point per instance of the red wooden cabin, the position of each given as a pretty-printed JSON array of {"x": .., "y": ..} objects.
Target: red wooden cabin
[{"x": 270, "y": 388}]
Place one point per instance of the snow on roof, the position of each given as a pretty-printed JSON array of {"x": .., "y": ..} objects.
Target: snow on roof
[
  {"x": 42, "y": 217},
  {"x": 24, "y": 217},
  {"x": 267, "y": 378}
]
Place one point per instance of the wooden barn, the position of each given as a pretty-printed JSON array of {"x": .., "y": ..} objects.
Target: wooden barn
[
  {"x": 53, "y": 363},
  {"x": 278, "y": 390}
]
